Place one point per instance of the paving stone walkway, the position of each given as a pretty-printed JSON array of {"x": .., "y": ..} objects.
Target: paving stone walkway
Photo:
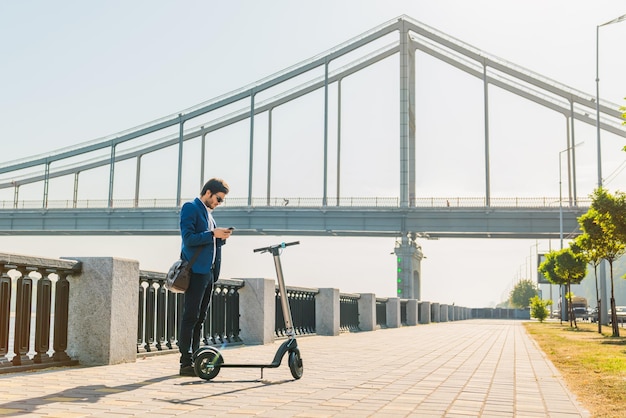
[{"x": 474, "y": 368}]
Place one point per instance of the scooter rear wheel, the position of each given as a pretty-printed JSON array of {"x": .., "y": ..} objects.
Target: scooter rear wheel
[
  {"x": 295, "y": 364},
  {"x": 207, "y": 364}
]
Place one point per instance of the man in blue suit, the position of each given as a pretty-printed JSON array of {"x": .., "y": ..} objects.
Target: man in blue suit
[{"x": 199, "y": 231}]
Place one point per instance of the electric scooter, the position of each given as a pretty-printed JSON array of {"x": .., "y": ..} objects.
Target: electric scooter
[{"x": 208, "y": 361}]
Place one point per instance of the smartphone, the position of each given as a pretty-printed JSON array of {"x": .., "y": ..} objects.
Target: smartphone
[{"x": 232, "y": 228}]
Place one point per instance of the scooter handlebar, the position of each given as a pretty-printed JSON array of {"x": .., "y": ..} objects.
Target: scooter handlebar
[{"x": 274, "y": 247}]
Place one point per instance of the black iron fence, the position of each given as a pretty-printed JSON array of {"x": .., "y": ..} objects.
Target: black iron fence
[
  {"x": 500, "y": 313},
  {"x": 381, "y": 313},
  {"x": 222, "y": 324},
  {"x": 349, "y": 312},
  {"x": 302, "y": 305},
  {"x": 403, "y": 313},
  {"x": 160, "y": 311}
]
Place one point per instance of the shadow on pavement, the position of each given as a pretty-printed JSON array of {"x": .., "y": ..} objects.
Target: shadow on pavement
[
  {"x": 262, "y": 383},
  {"x": 87, "y": 393}
]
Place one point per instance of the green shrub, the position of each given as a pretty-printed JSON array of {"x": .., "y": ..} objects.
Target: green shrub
[{"x": 539, "y": 308}]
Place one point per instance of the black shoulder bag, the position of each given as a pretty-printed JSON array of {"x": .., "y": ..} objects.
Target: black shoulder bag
[{"x": 177, "y": 279}]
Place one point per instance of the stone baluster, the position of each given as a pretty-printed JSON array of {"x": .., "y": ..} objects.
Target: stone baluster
[
  {"x": 5, "y": 314},
  {"x": 42, "y": 320},
  {"x": 23, "y": 306},
  {"x": 61, "y": 311}
]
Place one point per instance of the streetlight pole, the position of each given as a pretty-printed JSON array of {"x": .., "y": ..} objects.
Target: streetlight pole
[
  {"x": 535, "y": 269},
  {"x": 562, "y": 310},
  {"x": 599, "y": 148},
  {"x": 602, "y": 315}
]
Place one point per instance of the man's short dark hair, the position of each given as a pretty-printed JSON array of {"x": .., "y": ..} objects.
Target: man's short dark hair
[{"x": 215, "y": 185}]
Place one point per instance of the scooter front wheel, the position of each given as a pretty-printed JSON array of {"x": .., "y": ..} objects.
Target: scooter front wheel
[
  {"x": 295, "y": 364},
  {"x": 207, "y": 364}
]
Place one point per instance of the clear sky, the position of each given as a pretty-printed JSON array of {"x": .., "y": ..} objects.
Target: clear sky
[{"x": 74, "y": 71}]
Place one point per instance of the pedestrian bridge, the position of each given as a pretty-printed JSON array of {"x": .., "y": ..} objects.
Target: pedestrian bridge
[{"x": 133, "y": 182}]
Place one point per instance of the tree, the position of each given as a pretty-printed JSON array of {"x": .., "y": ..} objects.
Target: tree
[
  {"x": 565, "y": 267},
  {"x": 521, "y": 294},
  {"x": 539, "y": 308},
  {"x": 611, "y": 219},
  {"x": 590, "y": 244}
]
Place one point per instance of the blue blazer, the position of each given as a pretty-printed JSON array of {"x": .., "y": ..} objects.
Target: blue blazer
[{"x": 195, "y": 232}]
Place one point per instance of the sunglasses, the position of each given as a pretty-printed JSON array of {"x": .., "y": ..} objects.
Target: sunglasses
[{"x": 219, "y": 199}]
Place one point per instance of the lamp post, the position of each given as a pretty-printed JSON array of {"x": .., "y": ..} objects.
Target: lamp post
[
  {"x": 602, "y": 314},
  {"x": 536, "y": 265},
  {"x": 562, "y": 287},
  {"x": 599, "y": 148}
]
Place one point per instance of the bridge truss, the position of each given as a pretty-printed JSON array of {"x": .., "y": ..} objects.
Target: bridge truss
[{"x": 330, "y": 214}]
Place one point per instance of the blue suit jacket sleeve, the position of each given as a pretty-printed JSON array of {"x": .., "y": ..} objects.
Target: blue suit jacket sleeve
[{"x": 195, "y": 232}]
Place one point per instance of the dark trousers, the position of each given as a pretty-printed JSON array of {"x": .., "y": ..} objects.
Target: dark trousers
[{"x": 197, "y": 301}]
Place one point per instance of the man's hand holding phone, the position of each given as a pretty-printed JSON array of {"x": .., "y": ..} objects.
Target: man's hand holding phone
[{"x": 223, "y": 233}]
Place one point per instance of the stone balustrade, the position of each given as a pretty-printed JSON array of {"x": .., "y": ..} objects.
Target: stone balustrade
[{"x": 91, "y": 306}]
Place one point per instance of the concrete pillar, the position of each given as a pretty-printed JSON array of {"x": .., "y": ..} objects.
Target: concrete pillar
[
  {"x": 424, "y": 312},
  {"x": 443, "y": 312},
  {"x": 393, "y": 313},
  {"x": 409, "y": 256},
  {"x": 327, "y": 310},
  {"x": 257, "y": 310},
  {"x": 434, "y": 312},
  {"x": 451, "y": 316},
  {"x": 411, "y": 312},
  {"x": 102, "y": 325},
  {"x": 367, "y": 311}
]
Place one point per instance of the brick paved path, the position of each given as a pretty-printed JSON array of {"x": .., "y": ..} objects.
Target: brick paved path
[{"x": 475, "y": 368}]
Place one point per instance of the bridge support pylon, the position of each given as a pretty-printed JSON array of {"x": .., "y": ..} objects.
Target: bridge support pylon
[{"x": 409, "y": 257}]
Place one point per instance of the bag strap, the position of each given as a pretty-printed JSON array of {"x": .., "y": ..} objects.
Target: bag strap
[{"x": 195, "y": 255}]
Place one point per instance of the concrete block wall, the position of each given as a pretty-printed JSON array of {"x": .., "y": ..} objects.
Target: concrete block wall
[{"x": 102, "y": 324}]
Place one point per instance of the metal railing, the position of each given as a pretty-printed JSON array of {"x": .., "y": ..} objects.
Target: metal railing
[
  {"x": 307, "y": 202},
  {"x": 302, "y": 305},
  {"x": 349, "y": 312},
  {"x": 500, "y": 313},
  {"x": 222, "y": 324},
  {"x": 160, "y": 311},
  {"x": 381, "y": 312},
  {"x": 403, "y": 313}
]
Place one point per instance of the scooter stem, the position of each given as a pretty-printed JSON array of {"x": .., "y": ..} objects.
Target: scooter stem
[{"x": 284, "y": 301}]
